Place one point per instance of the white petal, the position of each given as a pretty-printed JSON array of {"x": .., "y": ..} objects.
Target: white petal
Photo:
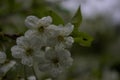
[
  {"x": 17, "y": 52},
  {"x": 67, "y": 30},
  {"x": 38, "y": 52},
  {"x": 69, "y": 41},
  {"x": 29, "y": 33},
  {"x": 47, "y": 20},
  {"x": 64, "y": 61},
  {"x": 27, "y": 61},
  {"x": 63, "y": 53},
  {"x": 55, "y": 71},
  {"x": 5, "y": 68},
  {"x": 44, "y": 22},
  {"x": 31, "y": 21},
  {"x": 44, "y": 65},
  {"x": 52, "y": 27},
  {"x": 50, "y": 54},
  {"x": 65, "y": 58},
  {"x": 53, "y": 30},
  {"x": 60, "y": 45},
  {"x": 2, "y": 57},
  {"x": 36, "y": 38},
  {"x": 22, "y": 41},
  {"x": 32, "y": 36}
]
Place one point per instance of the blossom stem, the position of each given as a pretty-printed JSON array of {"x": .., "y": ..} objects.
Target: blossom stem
[
  {"x": 12, "y": 36},
  {"x": 25, "y": 73},
  {"x": 34, "y": 73}
]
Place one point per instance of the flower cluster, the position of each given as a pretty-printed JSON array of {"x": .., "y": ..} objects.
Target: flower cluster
[{"x": 46, "y": 44}]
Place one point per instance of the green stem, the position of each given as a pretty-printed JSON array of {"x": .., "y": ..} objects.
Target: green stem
[
  {"x": 25, "y": 73},
  {"x": 34, "y": 73}
]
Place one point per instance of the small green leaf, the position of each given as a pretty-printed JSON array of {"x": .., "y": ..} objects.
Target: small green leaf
[
  {"x": 45, "y": 11},
  {"x": 76, "y": 21},
  {"x": 83, "y": 39},
  {"x": 56, "y": 18},
  {"x": 77, "y": 18}
]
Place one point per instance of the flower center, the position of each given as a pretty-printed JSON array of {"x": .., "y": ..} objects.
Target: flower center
[
  {"x": 55, "y": 61},
  {"x": 43, "y": 48},
  {"x": 41, "y": 29},
  {"x": 29, "y": 51},
  {"x": 60, "y": 38}
]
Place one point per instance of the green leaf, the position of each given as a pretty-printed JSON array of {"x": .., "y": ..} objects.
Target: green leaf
[
  {"x": 77, "y": 18},
  {"x": 56, "y": 18},
  {"x": 83, "y": 39},
  {"x": 48, "y": 12},
  {"x": 76, "y": 21}
]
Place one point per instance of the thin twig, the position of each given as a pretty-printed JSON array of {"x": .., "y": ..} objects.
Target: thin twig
[{"x": 11, "y": 36}]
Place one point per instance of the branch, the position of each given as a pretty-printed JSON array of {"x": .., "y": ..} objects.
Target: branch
[{"x": 11, "y": 36}]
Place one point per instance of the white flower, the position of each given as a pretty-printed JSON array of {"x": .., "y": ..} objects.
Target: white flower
[
  {"x": 37, "y": 37},
  {"x": 67, "y": 29},
  {"x": 39, "y": 31},
  {"x": 26, "y": 50},
  {"x": 33, "y": 22},
  {"x": 55, "y": 61},
  {"x": 6, "y": 67},
  {"x": 61, "y": 36},
  {"x": 27, "y": 60},
  {"x": 17, "y": 51},
  {"x": 2, "y": 57},
  {"x": 63, "y": 30},
  {"x": 69, "y": 41},
  {"x": 41, "y": 37},
  {"x": 45, "y": 21}
]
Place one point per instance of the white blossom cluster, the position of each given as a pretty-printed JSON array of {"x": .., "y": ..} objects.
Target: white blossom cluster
[{"x": 46, "y": 44}]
